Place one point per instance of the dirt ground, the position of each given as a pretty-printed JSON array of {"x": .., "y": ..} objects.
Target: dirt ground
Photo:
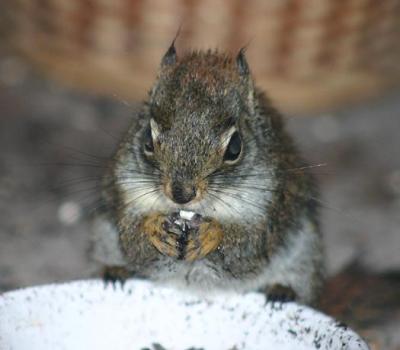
[{"x": 54, "y": 142}]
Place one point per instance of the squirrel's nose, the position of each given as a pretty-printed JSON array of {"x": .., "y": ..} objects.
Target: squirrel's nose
[{"x": 181, "y": 193}]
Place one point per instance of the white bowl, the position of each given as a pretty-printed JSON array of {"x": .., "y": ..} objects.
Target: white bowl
[{"x": 87, "y": 315}]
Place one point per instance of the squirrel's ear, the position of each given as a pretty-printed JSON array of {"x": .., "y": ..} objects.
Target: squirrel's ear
[
  {"x": 241, "y": 62},
  {"x": 244, "y": 71},
  {"x": 170, "y": 56}
]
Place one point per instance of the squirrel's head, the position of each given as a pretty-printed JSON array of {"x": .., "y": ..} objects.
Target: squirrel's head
[
  {"x": 196, "y": 132},
  {"x": 195, "y": 108}
]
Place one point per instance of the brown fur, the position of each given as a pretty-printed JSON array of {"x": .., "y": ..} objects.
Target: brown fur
[{"x": 257, "y": 210}]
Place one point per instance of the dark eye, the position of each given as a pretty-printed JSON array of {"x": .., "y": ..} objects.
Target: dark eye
[
  {"x": 148, "y": 141},
  {"x": 234, "y": 148}
]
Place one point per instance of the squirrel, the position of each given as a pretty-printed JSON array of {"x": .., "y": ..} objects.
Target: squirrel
[{"x": 207, "y": 190}]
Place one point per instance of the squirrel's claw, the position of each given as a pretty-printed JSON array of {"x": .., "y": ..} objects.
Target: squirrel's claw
[
  {"x": 280, "y": 294},
  {"x": 112, "y": 275}
]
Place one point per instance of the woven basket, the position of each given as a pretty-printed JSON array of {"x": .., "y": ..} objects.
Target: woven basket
[{"x": 310, "y": 55}]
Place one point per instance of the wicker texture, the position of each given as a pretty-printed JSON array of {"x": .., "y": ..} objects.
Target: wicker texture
[{"x": 308, "y": 54}]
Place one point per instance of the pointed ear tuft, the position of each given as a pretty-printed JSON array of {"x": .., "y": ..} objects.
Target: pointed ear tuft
[
  {"x": 170, "y": 56},
  {"x": 241, "y": 62}
]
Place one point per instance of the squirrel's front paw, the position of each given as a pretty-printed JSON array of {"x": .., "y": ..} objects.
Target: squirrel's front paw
[
  {"x": 162, "y": 234},
  {"x": 181, "y": 238},
  {"x": 205, "y": 240}
]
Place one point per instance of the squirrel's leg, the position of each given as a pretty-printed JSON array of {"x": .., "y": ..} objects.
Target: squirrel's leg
[
  {"x": 295, "y": 271},
  {"x": 105, "y": 251},
  {"x": 118, "y": 256}
]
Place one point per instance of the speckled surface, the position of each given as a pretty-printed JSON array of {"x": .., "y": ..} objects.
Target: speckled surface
[{"x": 88, "y": 315}]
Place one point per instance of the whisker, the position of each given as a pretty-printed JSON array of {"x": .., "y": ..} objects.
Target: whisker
[
  {"x": 312, "y": 166},
  {"x": 239, "y": 197},
  {"x": 326, "y": 205},
  {"x": 75, "y": 150},
  {"x": 265, "y": 173},
  {"x": 137, "y": 182},
  {"x": 81, "y": 190},
  {"x": 224, "y": 203},
  {"x": 79, "y": 180},
  {"x": 229, "y": 206},
  {"x": 136, "y": 190},
  {"x": 121, "y": 100},
  {"x": 114, "y": 137},
  {"x": 246, "y": 186},
  {"x": 157, "y": 197},
  {"x": 140, "y": 196},
  {"x": 72, "y": 165}
]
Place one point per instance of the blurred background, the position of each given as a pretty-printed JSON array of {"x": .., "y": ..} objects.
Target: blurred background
[{"x": 72, "y": 74}]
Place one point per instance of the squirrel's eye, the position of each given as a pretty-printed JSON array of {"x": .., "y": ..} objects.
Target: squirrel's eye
[
  {"x": 148, "y": 141},
  {"x": 234, "y": 148}
]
